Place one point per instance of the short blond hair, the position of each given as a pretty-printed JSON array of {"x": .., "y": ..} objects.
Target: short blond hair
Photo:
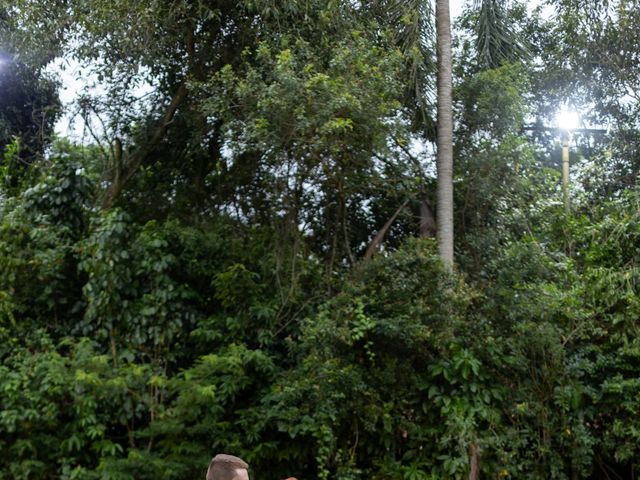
[{"x": 223, "y": 467}]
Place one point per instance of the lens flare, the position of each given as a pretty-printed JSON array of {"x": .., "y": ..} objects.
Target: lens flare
[{"x": 568, "y": 120}]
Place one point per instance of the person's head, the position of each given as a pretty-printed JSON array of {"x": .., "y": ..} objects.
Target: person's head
[{"x": 227, "y": 467}]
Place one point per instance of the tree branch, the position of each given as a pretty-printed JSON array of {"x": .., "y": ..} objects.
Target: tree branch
[
  {"x": 379, "y": 238},
  {"x": 130, "y": 164}
]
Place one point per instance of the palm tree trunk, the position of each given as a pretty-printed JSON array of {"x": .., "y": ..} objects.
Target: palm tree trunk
[{"x": 444, "y": 211}]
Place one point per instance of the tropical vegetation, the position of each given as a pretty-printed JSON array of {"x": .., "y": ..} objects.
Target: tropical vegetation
[{"x": 249, "y": 248}]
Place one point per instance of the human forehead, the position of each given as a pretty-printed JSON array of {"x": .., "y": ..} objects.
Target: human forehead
[{"x": 241, "y": 474}]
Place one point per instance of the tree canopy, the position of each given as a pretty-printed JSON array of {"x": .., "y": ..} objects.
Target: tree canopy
[{"x": 243, "y": 258}]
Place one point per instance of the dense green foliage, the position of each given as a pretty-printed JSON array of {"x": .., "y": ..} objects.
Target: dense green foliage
[
  {"x": 28, "y": 111},
  {"x": 205, "y": 276}
]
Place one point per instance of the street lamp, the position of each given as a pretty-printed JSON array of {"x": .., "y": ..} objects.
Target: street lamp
[{"x": 567, "y": 122}]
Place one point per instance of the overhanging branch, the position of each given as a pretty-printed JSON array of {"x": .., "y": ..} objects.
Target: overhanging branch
[{"x": 129, "y": 164}]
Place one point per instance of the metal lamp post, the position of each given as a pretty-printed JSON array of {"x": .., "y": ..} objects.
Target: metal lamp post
[
  {"x": 567, "y": 122},
  {"x": 565, "y": 173}
]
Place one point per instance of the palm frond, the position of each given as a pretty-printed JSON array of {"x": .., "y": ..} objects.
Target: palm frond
[
  {"x": 412, "y": 24},
  {"x": 496, "y": 40}
]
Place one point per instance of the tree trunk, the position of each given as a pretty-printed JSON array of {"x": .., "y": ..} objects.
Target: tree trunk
[
  {"x": 444, "y": 211},
  {"x": 428, "y": 227},
  {"x": 474, "y": 461}
]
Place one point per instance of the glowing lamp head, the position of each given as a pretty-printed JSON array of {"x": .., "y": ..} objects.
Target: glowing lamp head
[{"x": 568, "y": 120}]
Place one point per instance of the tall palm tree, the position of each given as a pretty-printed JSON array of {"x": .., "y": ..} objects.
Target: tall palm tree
[
  {"x": 444, "y": 142},
  {"x": 496, "y": 43}
]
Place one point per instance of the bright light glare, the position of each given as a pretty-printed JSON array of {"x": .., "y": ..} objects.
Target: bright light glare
[{"x": 568, "y": 120}]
